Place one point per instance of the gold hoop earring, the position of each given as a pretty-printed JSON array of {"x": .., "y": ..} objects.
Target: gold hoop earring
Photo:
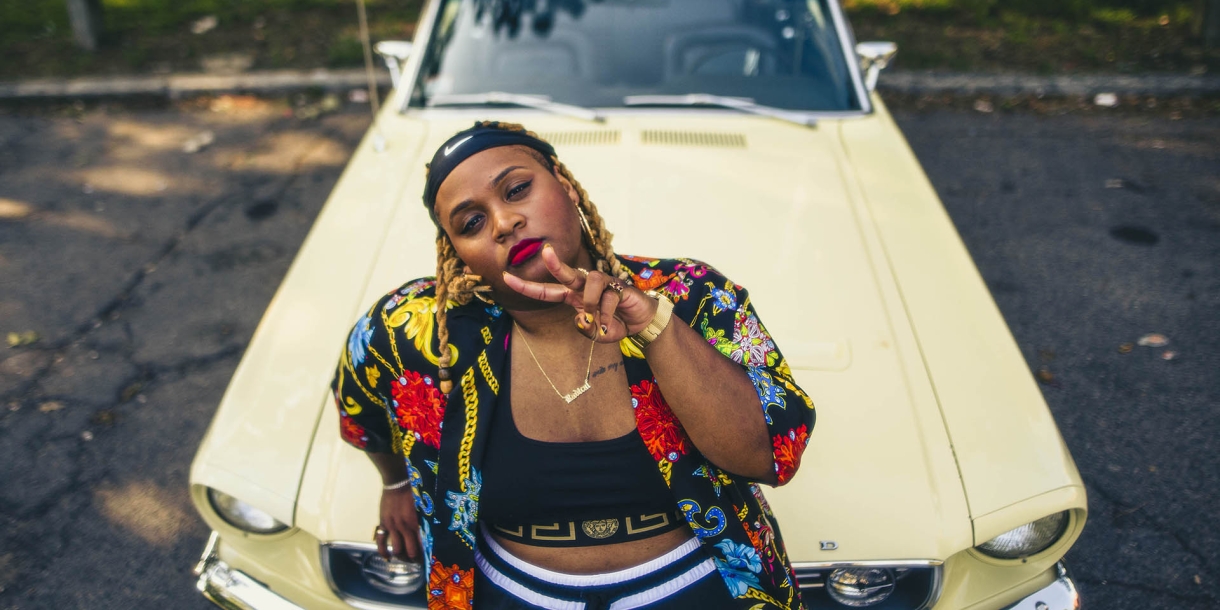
[{"x": 584, "y": 223}]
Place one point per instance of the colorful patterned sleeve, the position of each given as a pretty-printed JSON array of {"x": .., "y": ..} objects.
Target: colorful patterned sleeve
[
  {"x": 358, "y": 386},
  {"x": 721, "y": 311},
  {"x": 384, "y": 384}
]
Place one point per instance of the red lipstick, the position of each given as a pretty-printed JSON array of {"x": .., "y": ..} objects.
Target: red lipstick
[{"x": 523, "y": 251}]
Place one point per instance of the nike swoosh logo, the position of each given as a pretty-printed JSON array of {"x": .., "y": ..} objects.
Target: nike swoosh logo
[{"x": 449, "y": 149}]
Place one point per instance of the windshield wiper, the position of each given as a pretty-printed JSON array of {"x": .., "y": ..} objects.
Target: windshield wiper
[
  {"x": 743, "y": 104},
  {"x": 540, "y": 102}
]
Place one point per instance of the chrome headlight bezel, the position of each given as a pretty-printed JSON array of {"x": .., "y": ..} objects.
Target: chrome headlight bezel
[
  {"x": 1028, "y": 539},
  {"x": 243, "y": 515},
  {"x": 351, "y": 572}
]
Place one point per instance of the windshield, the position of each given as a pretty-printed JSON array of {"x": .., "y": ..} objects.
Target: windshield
[{"x": 593, "y": 53}]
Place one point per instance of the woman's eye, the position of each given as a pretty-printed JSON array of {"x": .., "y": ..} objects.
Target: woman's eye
[
  {"x": 471, "y": 224},
  {"x": 517, "y": 190}
]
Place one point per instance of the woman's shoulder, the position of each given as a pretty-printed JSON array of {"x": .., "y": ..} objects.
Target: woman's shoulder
[
  {"x": 419, "y": 289},
  {"x": 415, "y": 296}
]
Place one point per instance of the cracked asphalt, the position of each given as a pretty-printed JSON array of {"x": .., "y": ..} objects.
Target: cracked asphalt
[{"x": 144, "y": 270}]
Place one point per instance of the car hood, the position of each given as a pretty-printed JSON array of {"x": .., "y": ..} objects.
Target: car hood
[
  {"x": 773, "y": 207},
  {"x": 929, "y": 429}
]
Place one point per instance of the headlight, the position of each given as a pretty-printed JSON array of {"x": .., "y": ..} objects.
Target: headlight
[
  {"x": 860, "y": 587},
  {"x": 243, "y": 516},
  {"x": 1029, "y": 539},
  {"x": 358, "y": 575},
  {"x": 395, "y": 577}
]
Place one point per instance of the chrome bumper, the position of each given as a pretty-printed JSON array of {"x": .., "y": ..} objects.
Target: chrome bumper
[
  {"x": 231, "y": 589},
  {"x": 1059, "y": 595}
]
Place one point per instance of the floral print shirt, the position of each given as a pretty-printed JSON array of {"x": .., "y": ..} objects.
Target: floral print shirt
[{"x": 389, "y": 400}]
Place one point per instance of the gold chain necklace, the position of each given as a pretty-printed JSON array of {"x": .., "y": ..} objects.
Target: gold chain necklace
[{"x": 574, "y": 394}]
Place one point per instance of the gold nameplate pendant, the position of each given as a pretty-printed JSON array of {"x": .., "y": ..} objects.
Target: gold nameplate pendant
[{"x": 574, "y": 394}]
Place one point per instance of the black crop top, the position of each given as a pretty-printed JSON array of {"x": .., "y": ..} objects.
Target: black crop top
[{"x": 570, "y": 493}]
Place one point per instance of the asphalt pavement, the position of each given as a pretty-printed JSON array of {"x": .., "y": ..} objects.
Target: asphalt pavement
[{"x": 143, "y": 271}]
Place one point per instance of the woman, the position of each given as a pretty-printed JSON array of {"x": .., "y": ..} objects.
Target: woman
[{"x": 544, "y": 466}]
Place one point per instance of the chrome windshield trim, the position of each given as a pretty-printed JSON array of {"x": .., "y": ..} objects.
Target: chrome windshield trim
[
  {"x": 847, "y": 40},
  {"x": 420, "y": 42},
  {"x": 540, "y": 102},
  {"x": 743, "y": 104},
  {"x": 614, "y": 111}
]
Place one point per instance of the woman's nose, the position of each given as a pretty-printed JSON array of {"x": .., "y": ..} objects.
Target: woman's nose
[{"x": 507, "y": 221}]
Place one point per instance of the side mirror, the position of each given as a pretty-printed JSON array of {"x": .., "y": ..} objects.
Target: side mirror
[
  {"x": 874, "y": 57},
  {"x": 395, "y": 54}
]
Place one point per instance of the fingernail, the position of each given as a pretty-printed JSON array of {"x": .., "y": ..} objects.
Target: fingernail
[
  {"x": 588, "y": 319},
  {"x": 580, "y": 324},
  {"x": 604, "y": 329}
]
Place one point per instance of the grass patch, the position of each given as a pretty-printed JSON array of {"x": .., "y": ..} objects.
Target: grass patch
[
  {"x": 156, "y": 35},
  {"x": 1037, "y": 36}
]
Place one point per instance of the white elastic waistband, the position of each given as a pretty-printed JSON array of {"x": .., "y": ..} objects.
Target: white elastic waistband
[
  {"x": 629, "y": 602},
  {"x": 589, "y": 580}
]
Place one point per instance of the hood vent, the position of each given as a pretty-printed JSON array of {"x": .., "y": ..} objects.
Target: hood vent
[
  {"x": 693, "y": 138},
  {"x": 604, "y": 137}
]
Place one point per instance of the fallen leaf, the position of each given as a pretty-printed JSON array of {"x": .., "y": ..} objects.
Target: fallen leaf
[
  {"x": 1044, "y": 375},
  {"x": 204, "y": 24},
  {"x": 23, "y": 338},
  {"x": 1126, "y": 348},
  {"x": 1105, "y": 100},
  {"x": 1154, "y": 340},
  {"x": 198, "y": 142},
  {"x": 984, "y": 106},
  {"x": 86, "y": 436},
  {"x": 105, "y": 417},
  {"x": 1168, "y": 354},
  {"x": 50, "y": 406},
  {"x": 130, "y": 391},
  {"x": 12, "y": 210},
  {"x": 1198, "y": 580},
  {"x": 1114, "y": 183}
]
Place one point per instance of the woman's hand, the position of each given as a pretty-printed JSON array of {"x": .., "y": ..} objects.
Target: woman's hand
[
  {"x": 401, "y": 525},
  {"x": 602, "y": 311}
]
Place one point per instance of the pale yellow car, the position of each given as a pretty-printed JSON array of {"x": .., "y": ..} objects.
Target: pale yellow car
[{"x": 741, "y": 132}]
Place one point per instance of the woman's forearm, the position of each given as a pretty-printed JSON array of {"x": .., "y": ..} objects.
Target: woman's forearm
[
  {"x": 393, "y": 468},
  {"x": 715, "y": 401}
]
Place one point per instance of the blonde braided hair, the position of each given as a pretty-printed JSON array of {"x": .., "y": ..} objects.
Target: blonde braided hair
[{"x": 454, "y": 284}]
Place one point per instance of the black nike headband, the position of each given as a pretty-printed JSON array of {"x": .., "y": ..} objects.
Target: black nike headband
[{"x": 466, "y": 144}]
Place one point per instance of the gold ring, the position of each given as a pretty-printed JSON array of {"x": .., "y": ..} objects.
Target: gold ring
[{"x": 616, "y": 287}]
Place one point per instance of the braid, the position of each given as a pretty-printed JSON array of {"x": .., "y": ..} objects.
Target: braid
[
  {"x": 599, "y": 237},
  {"x": 453, "y": 284}
]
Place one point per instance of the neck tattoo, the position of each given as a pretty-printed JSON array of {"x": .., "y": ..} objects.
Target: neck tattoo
[{"x": 574, "y": 394}]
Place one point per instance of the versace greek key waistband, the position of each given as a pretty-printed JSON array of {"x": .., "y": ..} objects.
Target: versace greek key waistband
[{"x": 590, "y": 532}]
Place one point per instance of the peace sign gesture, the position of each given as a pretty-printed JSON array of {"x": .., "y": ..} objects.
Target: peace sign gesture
[{"x": 607, "y": 308}]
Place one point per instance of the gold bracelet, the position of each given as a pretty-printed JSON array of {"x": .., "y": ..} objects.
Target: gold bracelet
[{"x": 665, "y": 309}]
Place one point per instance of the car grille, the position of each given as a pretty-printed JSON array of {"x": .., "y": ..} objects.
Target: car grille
[{"x": 917, "y": 585}]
